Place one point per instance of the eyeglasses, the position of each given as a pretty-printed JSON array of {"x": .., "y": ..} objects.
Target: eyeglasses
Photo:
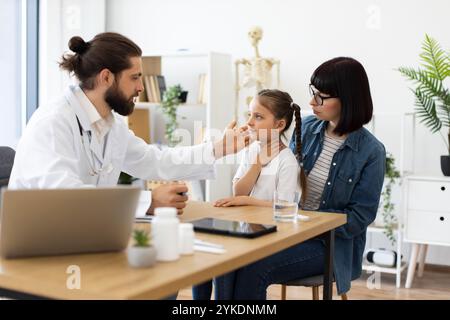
[{"x": 317, "y": 97}]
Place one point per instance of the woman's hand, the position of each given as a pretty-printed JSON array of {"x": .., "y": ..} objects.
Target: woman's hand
[{"x": 234, "y": 201}]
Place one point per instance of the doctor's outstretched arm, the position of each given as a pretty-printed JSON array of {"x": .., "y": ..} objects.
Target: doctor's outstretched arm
[{"x": 182, "y": 163}]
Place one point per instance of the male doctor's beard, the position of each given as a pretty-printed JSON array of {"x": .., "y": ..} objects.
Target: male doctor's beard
[{"x": 118, "y": 102}]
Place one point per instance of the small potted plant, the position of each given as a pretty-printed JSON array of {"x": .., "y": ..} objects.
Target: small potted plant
[{"x": 142, "y": 254}]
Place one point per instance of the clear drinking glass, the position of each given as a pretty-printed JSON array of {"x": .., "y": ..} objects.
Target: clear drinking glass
[{"x": 285, "y": 206}]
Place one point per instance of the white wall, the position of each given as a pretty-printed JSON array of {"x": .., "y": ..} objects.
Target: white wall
[
  {"x": 10, "y": 64},
  {"x": 382, "y": 34},
  {"x": 59, "y": 21}
]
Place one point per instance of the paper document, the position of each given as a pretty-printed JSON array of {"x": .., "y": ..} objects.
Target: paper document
[
  {"x": 202, "y": 248},
  {"x": 143, "y": 204}
]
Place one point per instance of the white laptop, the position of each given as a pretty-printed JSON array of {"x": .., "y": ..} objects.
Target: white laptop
[{"x": 66, "y": 221}]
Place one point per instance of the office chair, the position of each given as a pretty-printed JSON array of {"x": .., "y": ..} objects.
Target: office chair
[
  {"x": 6, "y": 163},
  {"x": 313, "y": 282}
]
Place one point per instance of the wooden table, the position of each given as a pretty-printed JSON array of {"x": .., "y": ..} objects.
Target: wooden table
[{"x": 108, "y": 275}]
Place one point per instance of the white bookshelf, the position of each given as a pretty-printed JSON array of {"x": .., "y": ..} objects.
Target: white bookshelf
[
  {"x": 185, "y": 68},
  {"x": 400, "y": 265},
  {"x": 375, "y": 268},
  {"x": 407, "y": 120}
]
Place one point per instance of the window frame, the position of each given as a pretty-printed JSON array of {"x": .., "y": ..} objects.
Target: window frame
[{"x": 30, "y": 58}]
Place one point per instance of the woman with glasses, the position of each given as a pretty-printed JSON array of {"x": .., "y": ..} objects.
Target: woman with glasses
[{"x": 345, "y": 165}]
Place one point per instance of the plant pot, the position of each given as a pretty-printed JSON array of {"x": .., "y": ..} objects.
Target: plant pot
[
  {"x": 141, "y": 257},
  {"x": 445, "y": 165},
  {"x": 183, "y": 96}
]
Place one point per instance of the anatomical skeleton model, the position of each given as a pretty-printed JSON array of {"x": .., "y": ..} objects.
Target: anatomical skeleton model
[{"x": 257, "y": 70}]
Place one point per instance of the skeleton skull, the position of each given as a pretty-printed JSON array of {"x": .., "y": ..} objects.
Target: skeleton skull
[{"x": 255, "y": 34}]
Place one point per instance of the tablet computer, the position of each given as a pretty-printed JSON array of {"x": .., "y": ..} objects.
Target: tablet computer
[{"x": 232, "y": 228}]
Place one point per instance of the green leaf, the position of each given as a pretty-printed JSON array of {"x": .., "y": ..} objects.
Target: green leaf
[
  {"x": 429, "y": 86},
  {"x": 141, "y": 238},
  {"x": 448, "y": 62},
  {"x": 389, "y": 217},
  {"x": 426, "y": 110},
  {"x": 434, "y": 59},
  {"x": 443, "y": 111}
]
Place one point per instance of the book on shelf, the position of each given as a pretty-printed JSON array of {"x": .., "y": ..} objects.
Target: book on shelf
[
  {"x": 155, "y": 92},
  {"x": 155, "y": 85},
  {"x": 161, "y": 85},
  {"x": 143, "y": 95},
  {"x": 202, "y": 97},
  {"x": 148, "y": 88}
]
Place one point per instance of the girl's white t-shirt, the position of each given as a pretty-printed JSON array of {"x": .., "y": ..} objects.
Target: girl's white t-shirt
[{"x": 280, "y": 174}]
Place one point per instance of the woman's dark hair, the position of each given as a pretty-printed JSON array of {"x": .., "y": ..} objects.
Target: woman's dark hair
[
  {"x": 107, "y": 50},
  {"x": 346, "y": 79},
  {"x": 281, "y": 105}
]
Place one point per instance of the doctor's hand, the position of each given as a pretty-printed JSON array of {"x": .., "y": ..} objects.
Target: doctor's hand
[
  {"x": 169, "y": 195},
  {"x": 233, "y": 140}
]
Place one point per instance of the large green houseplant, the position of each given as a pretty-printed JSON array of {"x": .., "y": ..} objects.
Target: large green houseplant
[{"x": 432, "y": 95}]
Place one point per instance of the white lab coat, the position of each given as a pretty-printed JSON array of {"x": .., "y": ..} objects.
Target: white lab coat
[{"x": 51, "y": 154}]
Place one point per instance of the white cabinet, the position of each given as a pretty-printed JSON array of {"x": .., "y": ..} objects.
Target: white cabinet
[
  {"x": 428, "y": 227},
  {"x": 427, "y": 211},
  {"x": 426, "y": 217},
  {"x": 429, "y": 194}
]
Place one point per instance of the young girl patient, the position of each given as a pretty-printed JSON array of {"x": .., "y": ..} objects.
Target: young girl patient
[{"x": 268, "y": 165}]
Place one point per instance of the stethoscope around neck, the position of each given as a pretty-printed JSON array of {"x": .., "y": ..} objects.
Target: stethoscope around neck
[{"x": 85, "y": 140}]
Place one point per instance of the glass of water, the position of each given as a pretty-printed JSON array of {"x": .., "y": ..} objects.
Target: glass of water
[{"x": 285, "y": 206}]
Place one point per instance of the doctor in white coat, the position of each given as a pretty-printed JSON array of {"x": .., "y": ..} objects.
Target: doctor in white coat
[{"x": 82, "y": 140}]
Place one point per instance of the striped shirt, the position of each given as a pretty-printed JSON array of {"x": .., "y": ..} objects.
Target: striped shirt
[{"x": 318, "y": 176}]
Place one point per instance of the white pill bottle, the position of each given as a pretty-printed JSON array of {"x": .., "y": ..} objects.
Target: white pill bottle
[
  {"x": 165, "y": 234},
  {"x": 186, "y": 238}
]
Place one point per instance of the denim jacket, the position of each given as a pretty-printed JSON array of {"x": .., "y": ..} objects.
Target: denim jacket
[{"x": 356, "y": 176}]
